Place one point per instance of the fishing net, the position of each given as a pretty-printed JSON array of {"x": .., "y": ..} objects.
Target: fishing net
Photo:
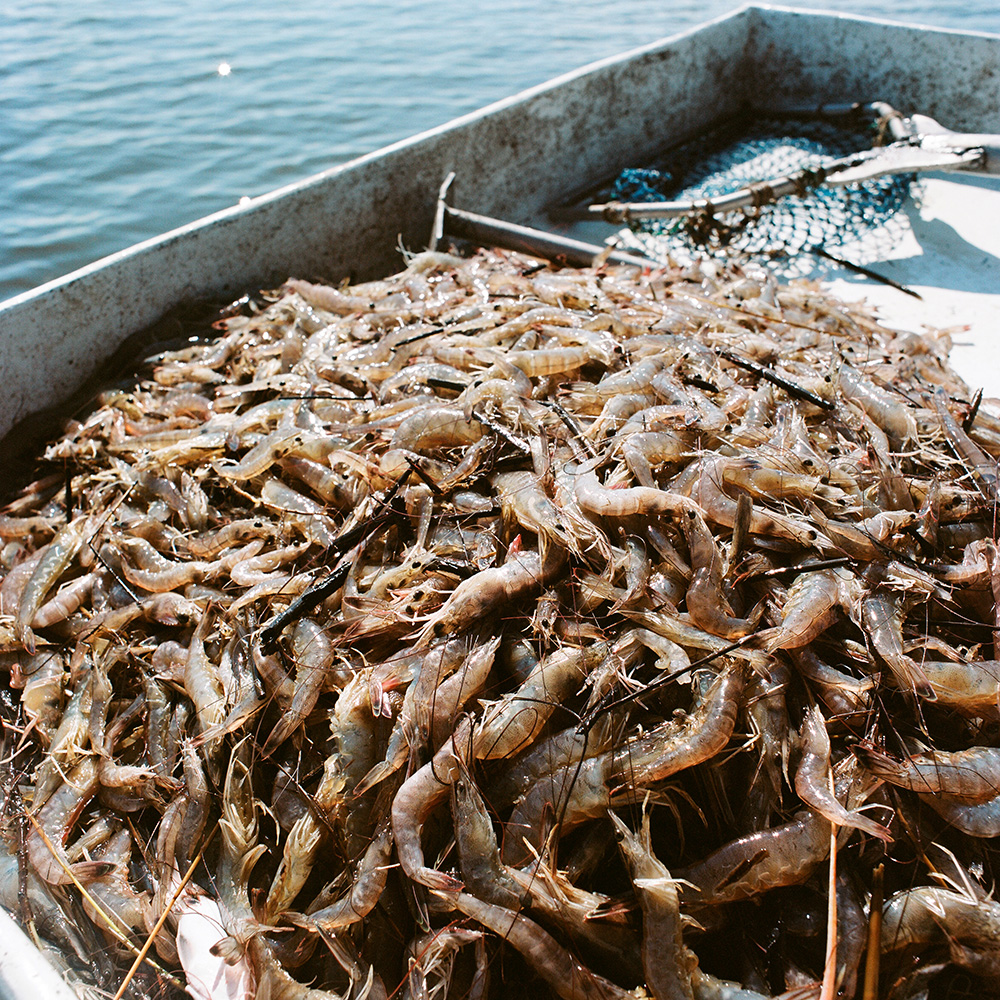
[{"x": 741, "y": 153}]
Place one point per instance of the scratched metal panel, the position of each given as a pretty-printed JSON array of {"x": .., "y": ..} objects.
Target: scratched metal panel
[{"x": 814, "y": 57}]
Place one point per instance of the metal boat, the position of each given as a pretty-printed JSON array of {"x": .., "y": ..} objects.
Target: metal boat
[{"x": 515, "y": 159}]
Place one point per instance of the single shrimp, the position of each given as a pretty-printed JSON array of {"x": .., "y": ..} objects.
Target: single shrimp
[
  {"x": 706, "y": 603},
  {"x": 57, "y": 819},
  {"x": 767, "y": 712},
  {"x": 59, "y": 553},
  {"x": 925, "y": 915},
  {"x": 964, "y": 775},
  {"x": 703, "y": 482},
  {"x": 69, "y": 741},
  {"x": 353, "y": 749},
  {"x": 330, "y": 299},
  {"x": 669, "y": 748},
  {"x": 972, "y": 688},
  {"x": 980, "y": 467},
  {"x": 554, "y": 360},
  {"x": 433, "y": 427},
  {"x": 113, "y": 891},
  {"x": 262, "y": 455},
  {"x": 452, "y": 694},
  {"x": 882, "y": 619},
  {"x": 666, "y": 961},
  {"x": 197, "y": 804},
  {"x": 512, "y": 723},
  {"x": 781, "y": 855},
  {"x": 814, "y": 779},
  {"x": 155, "y": 573},
  {"x": 313, "y": 655},
  {"x": 68, "y": 599},
  {"x": 201, "y": 679},
  {"x": 617, "y": 412},
  {"x": 887, "y": 410},
  {"x": 330, "y": 485},
  {"x": 525, "y": 502},
  {"x": 842, "y": 694},
  {"x": 477, "y": 597},
  {"x": 811, "y": 607},
  {"x": 592, "y": 496},
  {"x": 567, "y": 976},
  {"x": 416, "y": 800},
  {"x": 365, "y": 891},
  {"x": 642, "y": 451},
  {"x": 681, "y": 630},
  {"x": 256, "y": 568},
  {"x": 483, "y": 873},
  {"x": 583, "y": 789},
  {"x": 15, "y": 581}
]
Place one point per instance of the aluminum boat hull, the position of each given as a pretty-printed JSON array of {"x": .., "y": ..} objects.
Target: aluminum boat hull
[{"x": 511, "y": 160}]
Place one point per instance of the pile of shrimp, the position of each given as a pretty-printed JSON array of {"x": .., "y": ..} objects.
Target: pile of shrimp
[{"x": 498, "y": 627}]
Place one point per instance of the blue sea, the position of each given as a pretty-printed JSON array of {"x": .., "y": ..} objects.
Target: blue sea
[{"x": 119, "y": 120}]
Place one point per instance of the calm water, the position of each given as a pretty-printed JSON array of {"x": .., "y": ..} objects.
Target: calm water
[{"x": 120, "y": 121}]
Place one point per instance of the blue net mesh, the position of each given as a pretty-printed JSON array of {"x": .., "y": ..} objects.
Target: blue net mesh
[{"x": 748, "y": 152}]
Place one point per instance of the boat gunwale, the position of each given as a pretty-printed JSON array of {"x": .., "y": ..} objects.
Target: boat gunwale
[{"x": 355, "y": 214}]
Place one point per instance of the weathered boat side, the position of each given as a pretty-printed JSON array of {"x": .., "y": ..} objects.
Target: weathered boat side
[
  {"x": 813, "y": 57},
  {"x": 511, "y": 159}
]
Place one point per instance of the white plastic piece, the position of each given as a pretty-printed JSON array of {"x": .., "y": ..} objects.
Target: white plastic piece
[{"x": 24, "y": 972}]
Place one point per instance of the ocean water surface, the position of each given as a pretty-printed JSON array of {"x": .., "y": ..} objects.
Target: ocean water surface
[{"x": 121, "y": 121}]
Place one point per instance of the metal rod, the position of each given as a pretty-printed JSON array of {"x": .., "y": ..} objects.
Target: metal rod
[
  {"x": 487, "y": 231},
  {"x": 437, "y": 232}
]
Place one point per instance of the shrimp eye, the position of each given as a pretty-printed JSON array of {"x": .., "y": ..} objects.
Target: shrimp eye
[
  {"x": 807, "y": 462},
  {"x": 691, "y": 514}
]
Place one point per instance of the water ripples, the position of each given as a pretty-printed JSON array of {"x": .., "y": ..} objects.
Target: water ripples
[{"x": 116, "y": 125}]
